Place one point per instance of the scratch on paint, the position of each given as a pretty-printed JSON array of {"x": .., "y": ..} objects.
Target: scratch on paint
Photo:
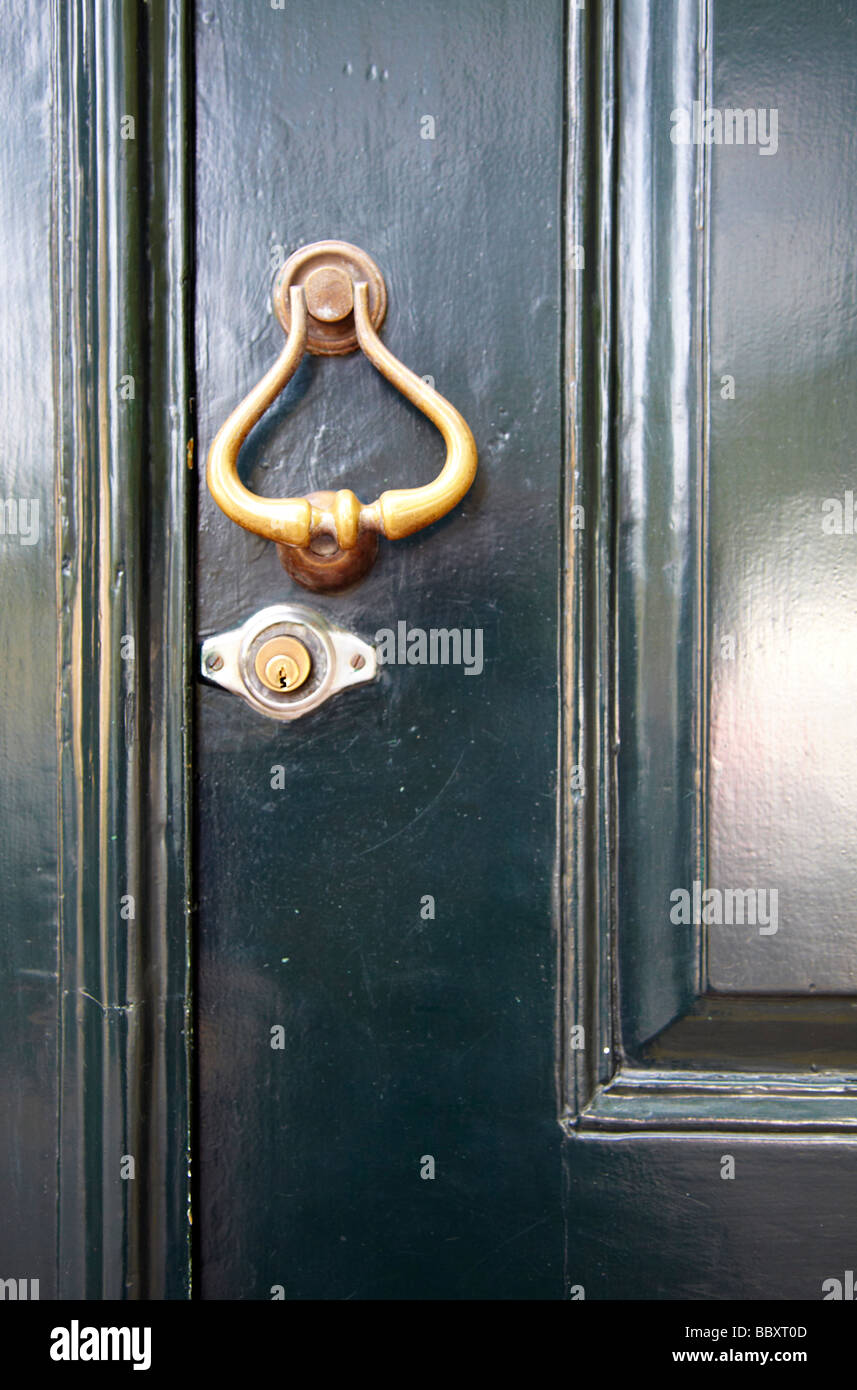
[
  {"x": 107, "y": 1008},
  {"x": 418, "y": 816},
  {"x": 508, "y": 1241}
]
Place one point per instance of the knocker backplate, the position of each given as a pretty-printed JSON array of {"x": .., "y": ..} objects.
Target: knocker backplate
[{"x": 330, "y": 318}]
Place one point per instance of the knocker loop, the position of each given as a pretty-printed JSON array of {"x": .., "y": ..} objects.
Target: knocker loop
[{"x": 330, "y": 298}]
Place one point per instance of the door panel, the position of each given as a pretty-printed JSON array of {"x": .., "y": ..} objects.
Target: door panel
[
  {"x": 714, "y": 762},
  {"x": 404, "y": 1036},
  {"x": 654, "y": 1219},
  {"x": 782, "y": 805}
]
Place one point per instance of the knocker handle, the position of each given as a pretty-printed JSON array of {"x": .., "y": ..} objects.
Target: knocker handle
[{"x": 330, "y": 298}]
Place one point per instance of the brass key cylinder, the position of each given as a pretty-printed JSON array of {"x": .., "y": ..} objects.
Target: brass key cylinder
[{"x": 283, "y": 663}]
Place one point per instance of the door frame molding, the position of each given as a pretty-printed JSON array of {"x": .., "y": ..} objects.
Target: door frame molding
[
  {"x": 586, "y": 711},
  {"x": 123, "y": 389}
]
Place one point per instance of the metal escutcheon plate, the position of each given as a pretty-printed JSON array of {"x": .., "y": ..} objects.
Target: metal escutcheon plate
[{"x": 338, "y": 659}]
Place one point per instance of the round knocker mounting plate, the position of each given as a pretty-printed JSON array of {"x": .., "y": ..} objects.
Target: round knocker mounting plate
[
  {"x": 322, "y": 566},
  {"x": 328, "y": 270}
]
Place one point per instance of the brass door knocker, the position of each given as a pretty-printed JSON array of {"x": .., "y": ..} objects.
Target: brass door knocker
[{"x": 330, "y": 298}]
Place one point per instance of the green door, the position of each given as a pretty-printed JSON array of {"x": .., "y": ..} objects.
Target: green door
[{"x": 526, "y": 974}]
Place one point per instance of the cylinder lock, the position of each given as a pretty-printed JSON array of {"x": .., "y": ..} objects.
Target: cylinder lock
[
  {"x": 283, "y": 663},
  {"x": 287, "y": 660}
]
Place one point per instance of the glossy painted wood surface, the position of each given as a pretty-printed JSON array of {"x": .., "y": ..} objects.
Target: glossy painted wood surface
[
  {"x": 698, "y": 589},
  {"x": 654, "y": 1218},
  {"x": 404, "y": 1037},
  {"x": 783, "y": 776},
  {"x": 579, "y": 286},
  {"x": 121, "y": 395},
  {"x": 94, "y": 837},
  {"x": 28, "y": 618},
  {"x": 310, "y": 1151},
  {"x": 703, "y": 249}
]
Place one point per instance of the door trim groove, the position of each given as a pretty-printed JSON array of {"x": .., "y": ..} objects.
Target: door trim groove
[{"x": 122, "y": 409}]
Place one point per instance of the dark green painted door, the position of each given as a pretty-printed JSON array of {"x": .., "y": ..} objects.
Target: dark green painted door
[
  {"x": 558, "y": 957},
  {"x": 406, "y": 1036},
  {"x": 624, "y": 255}
]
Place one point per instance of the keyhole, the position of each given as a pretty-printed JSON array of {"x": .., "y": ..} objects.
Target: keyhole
[
  {"x": 283, "y": 663},
  {"x": 281, "y": 671}
]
